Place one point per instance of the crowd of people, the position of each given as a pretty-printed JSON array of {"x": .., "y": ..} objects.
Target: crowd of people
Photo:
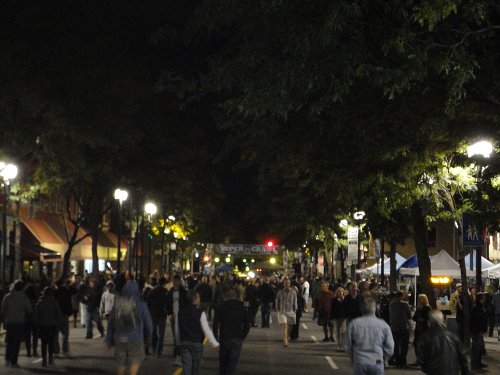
[{"x": 372, "y": 326}]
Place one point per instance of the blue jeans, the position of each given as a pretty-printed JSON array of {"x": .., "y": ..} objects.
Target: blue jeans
[
  {"x": 229, "y": 354},
  {"x": 369, "y": 369},
  {"x": 265, "y": 311},
  {"x": 93, "y": 317},
  {"x": 159, "y": 326},
  {"x": 191, "y": 354}
]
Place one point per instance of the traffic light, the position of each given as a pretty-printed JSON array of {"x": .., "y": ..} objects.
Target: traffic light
[{"x": 270, "y": 244}]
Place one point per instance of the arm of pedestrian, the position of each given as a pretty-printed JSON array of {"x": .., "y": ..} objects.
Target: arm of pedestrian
[{"x": 207, "y": 331}]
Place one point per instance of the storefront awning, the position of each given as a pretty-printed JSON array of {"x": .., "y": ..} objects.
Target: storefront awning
[{"x": 50, "y": 233}]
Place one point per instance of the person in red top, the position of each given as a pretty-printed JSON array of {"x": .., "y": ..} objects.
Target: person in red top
[{"x": 322, "y": 303}]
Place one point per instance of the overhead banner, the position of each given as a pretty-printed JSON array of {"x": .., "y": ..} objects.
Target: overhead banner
[
  {"x": 471, "y": 234},
  {"x": 243, "y": 249},
  {"x": 352, "y": 244}
]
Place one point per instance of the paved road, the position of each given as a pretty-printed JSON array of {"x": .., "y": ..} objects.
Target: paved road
[{"x": 262, "y": 354}]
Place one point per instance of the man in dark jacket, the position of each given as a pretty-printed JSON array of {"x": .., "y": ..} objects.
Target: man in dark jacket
[
  {"x": 205, "y": 292},
  {"x": 439, "y": 351},
  {"x": 64, "y": 294},
  {"x": 157, "y": 303},
  {"x": 400, "y": 316},
  {"x": 176, "y": 300},
  {"x": 231, "y": 326},
  {"x": 352, "y": 302},
  {"x": 252, "y": 301},
  {"x": 193, "y": 328},
  {"x": 15, "y": 309},
  {"x": 92, "y": 298},
  {"x": 266, "y": 297}
]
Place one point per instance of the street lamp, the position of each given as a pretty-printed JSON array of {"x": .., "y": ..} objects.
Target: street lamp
[
  {"x": 8, "y": 172},
  {"x": 358, "y": 216},
  {"x": 484, "y": 149},
  {"x": 150, "y": 209},
  {"x": 121, "y": 196}
]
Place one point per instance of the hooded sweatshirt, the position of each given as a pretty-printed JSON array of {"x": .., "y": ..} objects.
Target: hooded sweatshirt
[{"x": 144, "y": 328}]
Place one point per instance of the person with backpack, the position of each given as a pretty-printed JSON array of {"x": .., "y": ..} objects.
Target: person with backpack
[{"x": 129, "y": 327}]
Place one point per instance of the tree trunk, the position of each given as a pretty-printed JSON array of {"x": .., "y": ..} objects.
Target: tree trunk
[
  {"x": 424, "y": 263},
  {"x": 393, "y": 277},
  {"x": 465, "y": 299},
  {"x": 66, "y": 259},
  {"x": 95, "y": 241}
]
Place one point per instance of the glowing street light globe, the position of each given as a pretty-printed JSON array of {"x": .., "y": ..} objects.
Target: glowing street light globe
[
  {"x": 272, "y": 260},
  {"x": 359, "y": 215},
  {"x": 150, "y": 208},
  {"x": 121, "y": 195},
  {"x": 483, "y": 148},
  {"x": 8, "y": 171}
]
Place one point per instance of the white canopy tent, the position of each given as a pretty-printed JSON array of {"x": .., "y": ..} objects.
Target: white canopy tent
[
  {"x": 493, "y": 271},
  {"x": 442, "y": 264},
  {"x": 488, "y": 268},
  {"x": 376, "y": 269}
]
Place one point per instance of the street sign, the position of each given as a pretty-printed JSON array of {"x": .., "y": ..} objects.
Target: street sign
[
  {"x": 352, "y": 243},
  {"x": 471, "y": 233}
]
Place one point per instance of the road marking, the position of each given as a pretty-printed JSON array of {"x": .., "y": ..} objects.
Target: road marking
[
  {"x": 314, "y": 339},
  {"x": 177, "y": 371},
  {"x": 37, "y": 361},
  {"x": 331, "y": 363},
  {"x": 303, "y": 325}
]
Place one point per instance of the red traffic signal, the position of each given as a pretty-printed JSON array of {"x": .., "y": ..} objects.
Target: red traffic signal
[{"x": 270, "y": 243}]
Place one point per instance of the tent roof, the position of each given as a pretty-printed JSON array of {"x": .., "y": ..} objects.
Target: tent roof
[
  {"x": 441, "y": 264},
  {"x": 387, "y": 263},
  {"x": 485, "y": 263}
]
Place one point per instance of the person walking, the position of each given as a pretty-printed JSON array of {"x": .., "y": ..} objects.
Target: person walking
[
  {"x": 421, "y": 319},
  {"x": 400, "y": 315},
  {"x": 64, "y": 294},
  {"x": 305, "y": 292},
  {"x": 92, "y": 299},
  {"x": 176, "y": 300},
  {"x": 478, "y": 327},
  {"x": 294, "y": 332},
  {"x": 129, "y": 328},
  {"x": 15, "y": 310},
  {"x": 495, "y": 302},
  {"x": 157, "y": 303},
  {"x": 368, "y": 341},
  {"x": 231, "y": 327},
  {"x": 252, "y": 301},
  {"x": 31, "y": 330},
  {"x": 266, "y": 297},
  {"x": 440, "y": 351},
  {"x": 338, "y": 317},
  {"x": 286, "y": 306},
  {"x": 352, "y": 302},
  {"x": 107, "y": 301},
  {"x": 323, "y": 305},
  {"x": 48, "y": 317},
  {"x": 193, "y": 328},
  {"x": 205, "y": 292}
]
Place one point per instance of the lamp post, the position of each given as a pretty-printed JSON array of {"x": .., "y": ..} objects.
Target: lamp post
[
  {"x": 121, "y": 196},
  {"x": 483, "y": 149},
  {"x": 358, "y": 216},
  {"x": 150, "y": 209},
  {"x": 8, "y": 172}
]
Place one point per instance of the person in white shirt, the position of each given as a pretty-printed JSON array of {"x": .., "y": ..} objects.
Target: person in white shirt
[
  {"x": 107, "y": 300},
  {"x": 305, "y": 292}
]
